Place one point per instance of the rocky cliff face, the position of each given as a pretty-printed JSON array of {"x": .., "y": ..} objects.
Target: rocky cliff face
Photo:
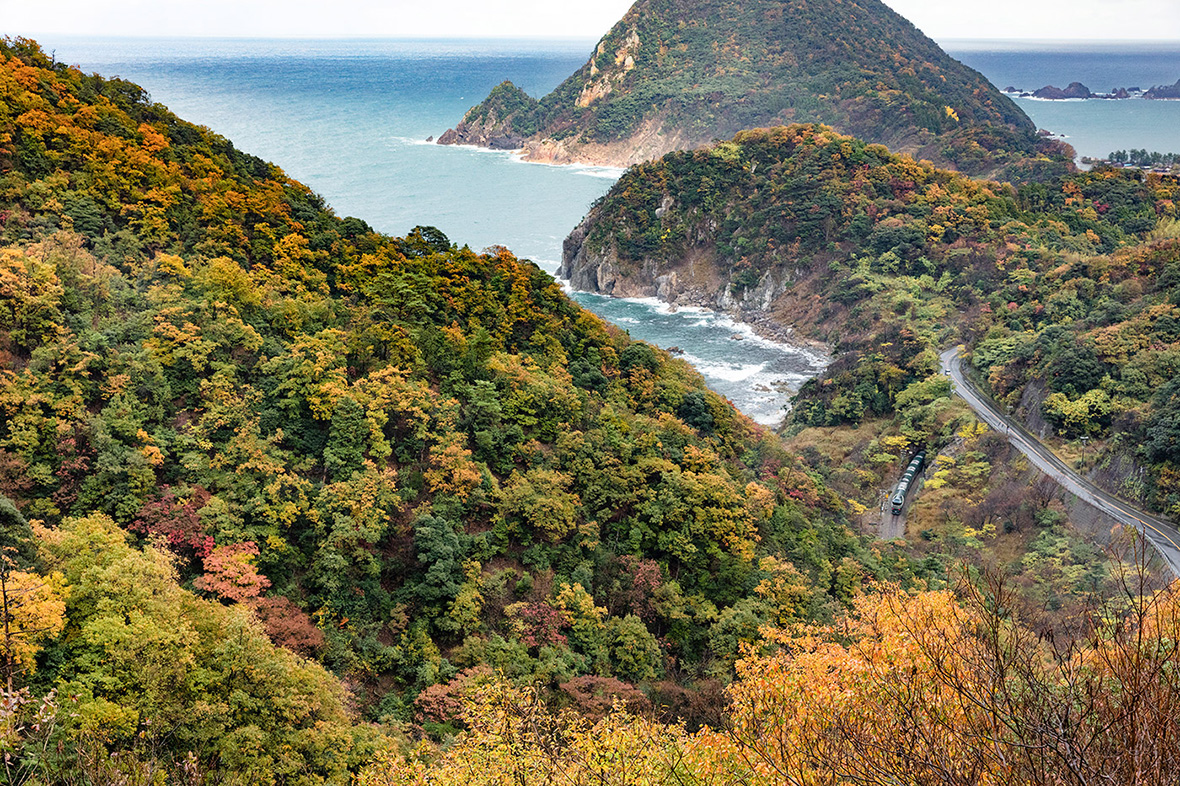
[
  {"x": 695, "y": 278},
  {"x": 649, "y": 142},
  {"x": 493, "y": 124},
  {"x": 487, "y": 134},
  {"x": 754, "y": 225}
]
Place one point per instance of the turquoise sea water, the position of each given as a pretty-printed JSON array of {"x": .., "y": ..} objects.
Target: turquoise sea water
[{"x": 350, "y": 119}]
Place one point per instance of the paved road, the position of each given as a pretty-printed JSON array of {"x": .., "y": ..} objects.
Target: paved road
[{"x": 1163, "y": 534}]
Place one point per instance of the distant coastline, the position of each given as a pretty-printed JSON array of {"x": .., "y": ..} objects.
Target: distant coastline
[
  {"x": 1076, "y": 91},
  {"x": 1142, "y": 160}
]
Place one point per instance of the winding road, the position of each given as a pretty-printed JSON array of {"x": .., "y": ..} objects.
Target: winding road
[{"x": 1162, "y": 534}]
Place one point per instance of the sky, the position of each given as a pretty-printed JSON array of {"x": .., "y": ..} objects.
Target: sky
[{"x": 940, "y": 19}]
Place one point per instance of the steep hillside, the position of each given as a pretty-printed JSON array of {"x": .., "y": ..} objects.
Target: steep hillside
[
  {"x": 286, "y": 501},
  {"x": 908, "y": 688},
  {"x": 676, "y": 74},
  {"x": 240, "y": 433},
  {"x": 1067, "y": 291}
]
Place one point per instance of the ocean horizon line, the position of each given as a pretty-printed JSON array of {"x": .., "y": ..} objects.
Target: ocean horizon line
[{"x": 1165, "y": 44}]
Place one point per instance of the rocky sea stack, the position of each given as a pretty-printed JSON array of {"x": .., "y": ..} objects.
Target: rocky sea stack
[{"x": 1075, "y": 90}]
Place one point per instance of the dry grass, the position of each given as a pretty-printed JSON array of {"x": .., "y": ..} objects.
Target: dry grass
[{"x": 839, "y": 443}]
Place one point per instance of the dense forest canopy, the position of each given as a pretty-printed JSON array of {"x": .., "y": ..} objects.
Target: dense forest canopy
[
  {"x": 403, "y": 459},
  {"x": 910, "y": 688},
  {"x": 284, "y": 500},
  {"x": 1067, "y": 291}
]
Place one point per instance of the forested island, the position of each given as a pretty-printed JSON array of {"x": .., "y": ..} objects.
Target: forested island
[
  {"x": 288, "y": 501},
  {"x": 679, "y": 74}
]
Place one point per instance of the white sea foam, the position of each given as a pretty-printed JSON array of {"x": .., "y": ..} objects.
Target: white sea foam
[
  {"x": 589, "y": 170},
  {"x": 756, "y": 382},
  {"x": 412, "y": 141},
  {"x": 476, "y": 149},
  {"x": 605, "y": 172},
  {"x": 517, "y": 156},
  {"x": 709, "y": 318},
  {"x": 816, "y": 359},
  {"x": 653, "y": 303},
  {"x": 730, "y": 372},
  {"x": 704, "y": 312}
]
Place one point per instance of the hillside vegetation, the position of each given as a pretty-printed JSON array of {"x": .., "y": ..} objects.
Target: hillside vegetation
[
  {"x": 925, "y": 688},
  {"x": 1066, "y": 292},
  {"x": 251, "y": 449},
  {"x": 283, "y": 500},
  {"x": 676, "y": 74}
]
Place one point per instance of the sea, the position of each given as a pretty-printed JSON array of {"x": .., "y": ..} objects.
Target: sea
[
  {"x": 353, "y": 119},
  {"x": 1095, "y": 127}
]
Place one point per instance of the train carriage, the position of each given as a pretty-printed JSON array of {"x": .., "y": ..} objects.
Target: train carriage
[{"x": 897, "y": 501}]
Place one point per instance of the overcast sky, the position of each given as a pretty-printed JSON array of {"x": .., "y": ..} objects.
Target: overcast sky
[{"x": 941, "y": 19}]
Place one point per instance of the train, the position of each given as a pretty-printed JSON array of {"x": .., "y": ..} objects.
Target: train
[{"x": 897, "y": 501}]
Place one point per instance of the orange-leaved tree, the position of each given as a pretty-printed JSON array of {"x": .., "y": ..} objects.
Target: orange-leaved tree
[{"x": 959, "y": 688}]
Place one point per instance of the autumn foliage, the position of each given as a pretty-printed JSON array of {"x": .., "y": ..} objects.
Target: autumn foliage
[
  {"x": 399, "y": 457},
  {"x": 932, "y": 687},
  {"x": 287, "y": 496}
]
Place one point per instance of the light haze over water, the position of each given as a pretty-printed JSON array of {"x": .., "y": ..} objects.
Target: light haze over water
[{"x": 1095, "y": 128}]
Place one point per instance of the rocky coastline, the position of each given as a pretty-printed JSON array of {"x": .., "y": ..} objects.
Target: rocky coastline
[
  {"x": 487, "y": 136},
  {"x": 650, "y": 141},
  {"x": 694, "y": 280},
  {"x": 1078, "y": 91}
]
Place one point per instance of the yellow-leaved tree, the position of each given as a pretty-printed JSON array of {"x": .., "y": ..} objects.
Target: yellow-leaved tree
[
  {"x": 31, "y": 611},
  {"x": 850, "y": 703},
  {"x": 512, "y": 738}
]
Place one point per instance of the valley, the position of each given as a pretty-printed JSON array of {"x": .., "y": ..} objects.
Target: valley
[{"x": 289, "y": 497}]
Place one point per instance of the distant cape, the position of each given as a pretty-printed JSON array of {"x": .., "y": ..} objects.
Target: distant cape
[{"x": 679, "y": 74}]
